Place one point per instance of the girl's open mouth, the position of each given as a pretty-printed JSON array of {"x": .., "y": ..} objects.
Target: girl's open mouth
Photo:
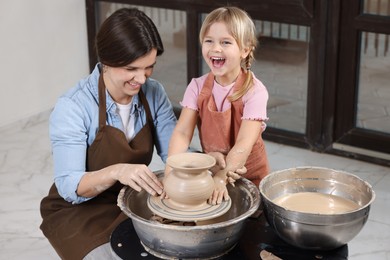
[{"x": 217, "y": 61}]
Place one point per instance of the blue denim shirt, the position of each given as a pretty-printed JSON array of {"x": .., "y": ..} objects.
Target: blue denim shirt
[{"x": 74, "y": 123}]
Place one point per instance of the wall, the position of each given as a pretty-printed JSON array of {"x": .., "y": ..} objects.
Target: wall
[{"x": 43, "y": 52}]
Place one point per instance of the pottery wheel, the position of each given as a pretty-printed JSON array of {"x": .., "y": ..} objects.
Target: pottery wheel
[{"x": 163, "y": 208}]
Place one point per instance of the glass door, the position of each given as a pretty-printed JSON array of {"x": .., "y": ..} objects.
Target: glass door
[
  {"x": 363, "y": 92},
  {"x": 325, "y": 63}
]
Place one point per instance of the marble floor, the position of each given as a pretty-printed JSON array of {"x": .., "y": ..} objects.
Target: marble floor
[{"x": 26, "y": 175}]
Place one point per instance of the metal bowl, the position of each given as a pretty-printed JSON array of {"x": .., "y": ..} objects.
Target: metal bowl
[
  {"x": 309, "y": 230},
  {"x": 208, "y": 239}
]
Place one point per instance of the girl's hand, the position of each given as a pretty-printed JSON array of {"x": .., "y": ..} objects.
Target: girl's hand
[
  {"x": 220, "y": 191},
  {"x": 220, "y": 162},
  {"x": 232, "y": 176},
  {"x": 138, "y": 177}
]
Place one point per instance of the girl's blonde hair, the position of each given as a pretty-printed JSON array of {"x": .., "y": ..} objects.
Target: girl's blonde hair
[{"x": 243, "y": 30}]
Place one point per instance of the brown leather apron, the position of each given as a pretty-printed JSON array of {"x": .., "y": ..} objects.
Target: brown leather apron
[
  {"x": 75, "y": 229},
  {"x": 218, "y": 130}
]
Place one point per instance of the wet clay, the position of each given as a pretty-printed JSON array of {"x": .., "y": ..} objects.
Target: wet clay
[
  {"x": 317, "y": 203},
  {"x": 189, "y": 184}
]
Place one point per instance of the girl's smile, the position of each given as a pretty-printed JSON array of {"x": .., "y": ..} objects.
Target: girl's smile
[{"x": 217, "y": 62}]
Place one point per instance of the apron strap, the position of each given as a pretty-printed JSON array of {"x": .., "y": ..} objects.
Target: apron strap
[
  {"x": 149, "y": 118},
  {"x": 146, "y": 106}
]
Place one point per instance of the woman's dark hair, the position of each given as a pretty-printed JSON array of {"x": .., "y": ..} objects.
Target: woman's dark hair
[{"x": 125, "y": 36}]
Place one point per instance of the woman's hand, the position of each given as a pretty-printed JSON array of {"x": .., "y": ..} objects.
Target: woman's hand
[
  {"x": 167, "y": 171},
  {"x": 138, "y": 177},
  {"x": 220, "y": 191}
]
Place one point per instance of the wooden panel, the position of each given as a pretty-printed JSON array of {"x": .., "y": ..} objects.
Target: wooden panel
[
  {"x": 300, "y": 11},
  {"x": 346, "y": 94},
  {"x": 91, "y": 31},
  {"x": 373, "y": 23}
]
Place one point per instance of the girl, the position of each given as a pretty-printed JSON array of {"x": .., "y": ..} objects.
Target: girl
[{"x": 229, "y": 103}]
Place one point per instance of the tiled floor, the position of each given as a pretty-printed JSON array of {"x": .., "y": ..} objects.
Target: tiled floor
[{"x": 26, "y": 175}]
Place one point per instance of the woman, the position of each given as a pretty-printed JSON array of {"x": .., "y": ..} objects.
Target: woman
[{"x": 103, "y": 132}]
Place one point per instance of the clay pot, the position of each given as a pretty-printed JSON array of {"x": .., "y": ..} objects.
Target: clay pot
[{"x": 189, "y": 184}]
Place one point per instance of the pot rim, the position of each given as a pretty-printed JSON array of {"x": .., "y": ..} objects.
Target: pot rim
[{"x": 172, "y": 161}]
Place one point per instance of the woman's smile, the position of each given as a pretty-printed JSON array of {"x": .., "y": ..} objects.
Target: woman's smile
[{"x": 133, "y": 85}]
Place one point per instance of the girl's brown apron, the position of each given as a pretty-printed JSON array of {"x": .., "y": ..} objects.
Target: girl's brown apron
[
  {"x": 75, "y": 229},
  {"x": 218, "y": 130}
]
